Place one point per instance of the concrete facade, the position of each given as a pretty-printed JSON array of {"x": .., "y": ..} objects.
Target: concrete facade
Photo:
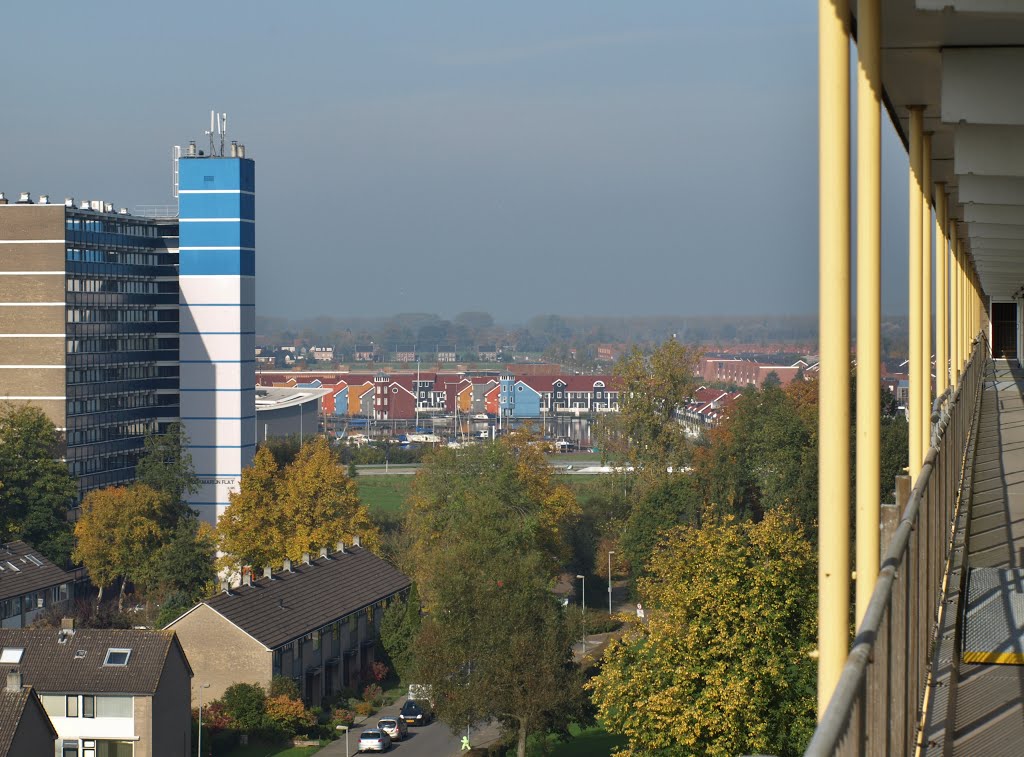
[{"x": 220, "y": 653}]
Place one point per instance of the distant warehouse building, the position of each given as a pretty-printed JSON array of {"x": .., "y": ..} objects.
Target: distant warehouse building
[
  {"x": 288, "y": 411},
  {"x": 118, "y": 324}
]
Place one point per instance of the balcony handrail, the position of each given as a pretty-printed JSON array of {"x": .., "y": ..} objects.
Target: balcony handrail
[{"x": 849, "y": 694}]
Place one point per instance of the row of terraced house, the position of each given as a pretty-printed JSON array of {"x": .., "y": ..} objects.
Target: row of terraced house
[{"x": 391, "y": 396}]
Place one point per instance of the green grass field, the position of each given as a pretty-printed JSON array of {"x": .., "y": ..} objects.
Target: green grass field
[
  {"x": 590, "y": 742},
  {"x": 263, "y": 750},
  {"x": 384, "y": 494}
]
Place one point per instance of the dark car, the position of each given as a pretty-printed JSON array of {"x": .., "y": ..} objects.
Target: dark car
[{"x": 417, "y": 712}]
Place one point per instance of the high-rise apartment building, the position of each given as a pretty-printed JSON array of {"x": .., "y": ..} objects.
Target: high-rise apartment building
[
  {"x": 118, "y": 324},
  {"x": 217, "y": 283}
]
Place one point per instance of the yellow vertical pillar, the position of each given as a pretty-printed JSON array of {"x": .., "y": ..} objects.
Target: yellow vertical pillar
[
  {"x": 925, "y": 428},
  {"x": 834, "y": 338},
  {"x": 941, "y": 291},
  {"x": 915, "y": 379},
  {"x": 869, "y": 297},
  {"x": 954, "y": 305}
]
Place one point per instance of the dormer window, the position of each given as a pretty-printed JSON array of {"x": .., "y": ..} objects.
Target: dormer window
[{"x": 117, "y": 657}]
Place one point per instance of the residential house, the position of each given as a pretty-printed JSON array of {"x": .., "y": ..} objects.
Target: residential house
[
  {"x": 316, "y": 622},
  {"x": 487, "y": 353},
  {"x": 360, "y": 399},
  {"x": 404, "y": 354},
  {"x": 108, "y": 692},
  {"x": 29, "y": 585},
  {"x": 364, "y": 353},
  {"x": 393, "y": 397},
  {"x": 446, "y": 353},
  {"x": 321, "y": 353},
  {"x": 24, "y": 727}
]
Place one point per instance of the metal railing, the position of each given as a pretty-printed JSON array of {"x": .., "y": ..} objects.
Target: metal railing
[{"x": 877, "y": 704}]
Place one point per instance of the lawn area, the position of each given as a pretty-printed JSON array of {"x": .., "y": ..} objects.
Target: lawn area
[
  {"x": 263, "y": 750},
  {"x": 384, "y": 494},
  {"x": 587, "y": 742}
]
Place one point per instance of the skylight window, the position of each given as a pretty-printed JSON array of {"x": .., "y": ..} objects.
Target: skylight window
[
  {"x": 117, "y": 657},
  {"x": 11, "y": 655}
]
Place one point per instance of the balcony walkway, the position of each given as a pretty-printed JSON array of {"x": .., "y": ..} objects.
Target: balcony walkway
[{"x": 987, "y": 700}]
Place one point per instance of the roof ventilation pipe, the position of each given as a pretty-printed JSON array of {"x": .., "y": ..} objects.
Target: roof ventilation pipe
[
  {"x": 323, "y": 552},
  {"x": 287, "y": 567},
  {"x": 268, "y": 573},
  {"x": 305, "y": 558},
  {"x": 14, "y": 681},
  {"x": 340, "y": 547}
]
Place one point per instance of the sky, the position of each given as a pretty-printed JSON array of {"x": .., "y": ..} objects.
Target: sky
[{"x": 581, "y": 158}]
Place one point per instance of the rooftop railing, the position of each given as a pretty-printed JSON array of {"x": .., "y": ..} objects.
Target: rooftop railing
[{"x": 877, "y": 706}]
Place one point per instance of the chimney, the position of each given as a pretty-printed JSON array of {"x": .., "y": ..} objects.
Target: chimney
[
  {"x": 323, "y": 552},
  {"x": 14, "y": 680},
  {"x": 287, "y": 567},
  {"x": 69, "y": 202},
  {"x": 67, "y": 624},
  {"x": 355, "y": 541},
  {"x": 25, "y": 198},
  {"x": 247, "y": 578},
  {"x": 268, "y": 573},
  {"x": 3, "y": 199},
  {"x": 305, "y": 558},
  {"x": 44, "y": 199},
  {"x": 340, "y": 547},
  {"x": 225, "y": 586}
]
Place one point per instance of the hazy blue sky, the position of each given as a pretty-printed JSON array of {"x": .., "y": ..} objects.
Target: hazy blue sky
[{"x": 533, "y": 157}]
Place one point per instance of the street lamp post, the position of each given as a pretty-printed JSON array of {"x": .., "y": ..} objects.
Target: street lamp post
[
  {"x": 199, "y": 745},
  {"x": 583, "y": 609},
  {"x": 345, "y": 729},
  {"x": 610, "y": 553}
]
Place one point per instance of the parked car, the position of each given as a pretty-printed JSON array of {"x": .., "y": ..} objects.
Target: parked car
[
  {"x": 396, "y": 728},
  {"x": 417, "y": 712},
  {"x": 374, "y": 740}
]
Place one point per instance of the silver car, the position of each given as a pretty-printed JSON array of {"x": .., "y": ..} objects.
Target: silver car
[
  {"x": 396, "y": 728},
  {"x": 374, "y": 740}
]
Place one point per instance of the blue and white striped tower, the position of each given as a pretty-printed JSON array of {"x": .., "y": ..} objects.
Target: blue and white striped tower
[{"x": 217, "y": 285}]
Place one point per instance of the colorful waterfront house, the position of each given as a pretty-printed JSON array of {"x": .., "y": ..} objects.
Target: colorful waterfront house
[
  {"x": 526, "y": 402},
  {"x": 360, "y": 399},
  {"x": 491, "y": 399},
  {"x": 506, "y": 395},
  {"x": 336, "y": 403}
]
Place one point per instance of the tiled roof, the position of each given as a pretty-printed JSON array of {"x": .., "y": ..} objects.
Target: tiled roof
[
  {"x": 310, "y": 597},
  {"x": 12, "y": 705},
  {"x": 76, "y": 664},
  {"x": 23, "y": 569}
]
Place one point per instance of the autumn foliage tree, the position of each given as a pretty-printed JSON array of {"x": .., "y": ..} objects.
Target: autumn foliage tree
[
  {"x": 722, "y": 664},
  {"x": 647, "y": 432},
  {"x": 118, "y": 533},
  {"x": 278, "y": 513},
  {"x": 485, "y": 524}
]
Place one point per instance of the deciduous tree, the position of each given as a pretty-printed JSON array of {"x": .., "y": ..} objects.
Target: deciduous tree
[
  {"x": 36, "y": 488},
  {"x": 398, "y": 629},
  {"x": 721, "y": 666},
  {"x": 319, "y": 502},
  {"x": 118, "y": 535},
  {"x": 166, "y": 466},
  {"x": 496, "y": 644},
  {"x": 647, "y": 432},
  {"x": 250, "y": 531},
  {"x": 279, "y": 513}
]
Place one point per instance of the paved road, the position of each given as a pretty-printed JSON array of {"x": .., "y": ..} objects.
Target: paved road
[{"x": 434, "y": 740}]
